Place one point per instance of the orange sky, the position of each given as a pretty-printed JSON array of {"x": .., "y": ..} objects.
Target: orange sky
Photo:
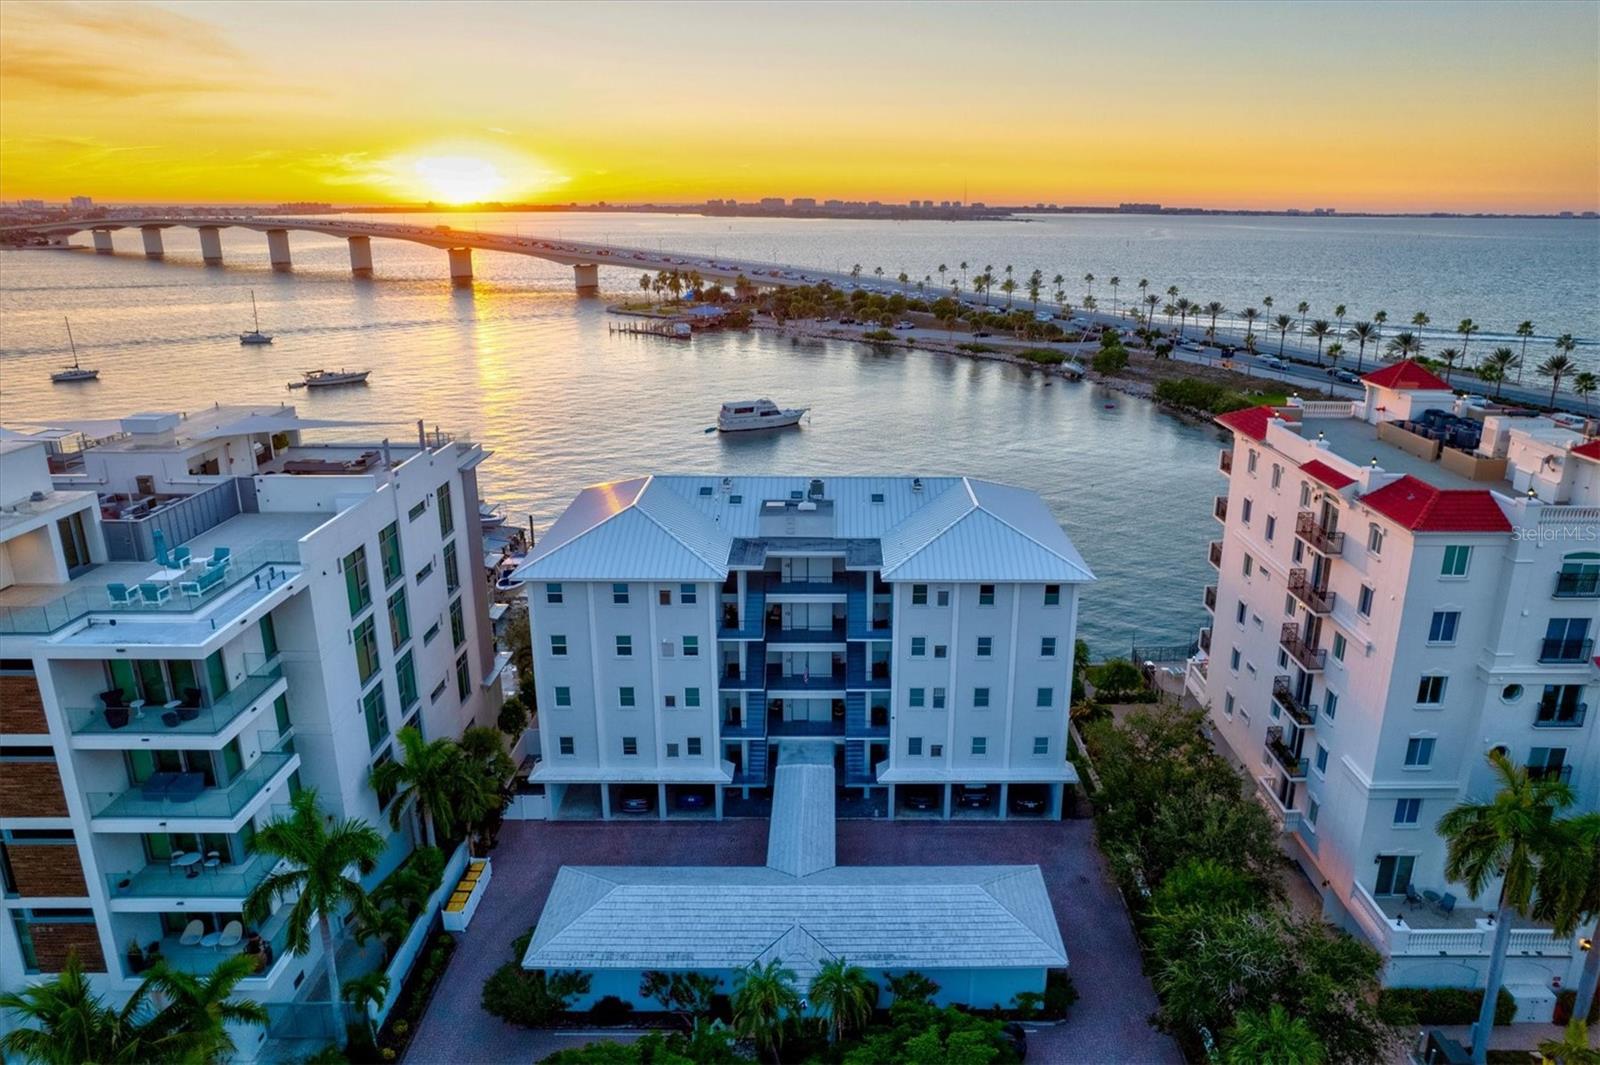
[{"x": 1448, "y": 106}]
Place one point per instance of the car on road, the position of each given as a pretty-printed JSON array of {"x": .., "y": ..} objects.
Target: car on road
[
  {"x": 1347, "y": 376},
  {"x": 982, "y": 333},
  {"x": 1272, "y": 362},
  {"x": 1028, "y": 798},
  {"x": 904, "y": 325},
  {"x": 921, "y": 797},
  {"x": 638, "y": 800},
  {"x": 1474, "y": 400},
  {"x": 974, "y": 796}
]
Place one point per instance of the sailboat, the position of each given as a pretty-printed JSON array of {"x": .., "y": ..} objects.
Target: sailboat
[
  {"x": 74, "y": 372},
  {"x": 255, "y": 336}
]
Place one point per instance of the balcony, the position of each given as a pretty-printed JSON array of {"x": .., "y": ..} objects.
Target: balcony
[
  {"x": 732, "y": 680},
  {"x": 1311, "y": 659},
  {"x": 1214, "y": 553},
  {"x": 1556, "y": 652},
  {"x": 1287, "y": 818},
  {"x": 1225, "y": 461},
  {"x": 777, "y": 586},
  {"x": 1322, "y": 540},
  {"x": 1283, "y": 694},
  {"x": 1398, "y": 926},
  {"x": 1558, "y": 715},
  {"x": 805, "y": 682},
  {"x": 1219, "y": 509},
  {"x": 1294, "y": 765},
  {"x": 747, "y": 727},
  {"x": 777, "y": 726},
  {"x": 1211, "y": 598},
  {"x": 184, "y": 796},
  {"x": 1577, "y": 586},
  {"x": 834, "y": 634},
  {"x": 174, "y": 720},
  {"x": 161, "y": 880},
  {"x": 1562, "y": 773},
  {"x": 1317, "y": 600},
  {"x": 1205, "y": 640}
]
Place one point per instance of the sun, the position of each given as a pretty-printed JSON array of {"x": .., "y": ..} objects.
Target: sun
[{"x": 459, "y": 179}]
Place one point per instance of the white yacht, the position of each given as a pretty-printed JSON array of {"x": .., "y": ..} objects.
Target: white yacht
[
  {"x": 328, "y": 378},
  {"x": 757, "y": 414},
  {"x": 255, "y": 336}
]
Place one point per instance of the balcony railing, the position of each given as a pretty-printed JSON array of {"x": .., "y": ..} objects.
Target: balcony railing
[
  {"x": 1219, "y": 509},
  {"x": 1225, "y": 461},
  {"x": 1214, "y": 553},
  {"x": 747, "y": 726},
  {"x": 1322, "y": 539},
  {"x": 175, "y": 719},
  {"x": 1205, "y": 640},
  {"x": 732, "y": 680},
  {"x": 1563, "y": 773},
  {"x": 1317, "y": 600},
  {"x": 1471, "y": 933},
  {"x": 1577, "y": 586},
  {"x": 833, "y": 634},
  {"x": 777, "y": 681},
  {"x": 1554, "y": 715},
  {"x": 1292, "y": 764},
  {"x": 173, "y": 796},
  {"x": 1287, "y": 817},
  {"x": 163, "y": 880},
  {"x": 1311, "y": 659},
  {"x": 1555, "y": 651},
  {"x": 1211, "y": 598},
  {"x": 1283, "y": 694}
]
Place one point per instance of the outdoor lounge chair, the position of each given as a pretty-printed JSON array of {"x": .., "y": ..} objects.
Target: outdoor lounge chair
[
  {"x": 152, "y": 592},
  {"x": 189, "y": 709},
  {"x": 122, "y": 595},
  {"x": 232, "y": 934},
  {"x": 219, "y": 556},
  {"x": 1413, "y": 896},
  {"x": 117, "y": 708},
  {"x": 181, "y": 557},
  {"x": 193, "y": 932},
  {"x": 1447, "y": 904}
]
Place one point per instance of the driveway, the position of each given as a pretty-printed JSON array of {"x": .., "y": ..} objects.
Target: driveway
[{"x": 1108, "y": 1023}]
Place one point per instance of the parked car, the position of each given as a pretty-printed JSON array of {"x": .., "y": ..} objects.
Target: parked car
[
  {"x": 1472, "y": 399},
  {"x": 921, "y": 797},
  {"x": 693, "y": 799},
  {"x": 1017, "y": 1036},
  {"x": 636, "y": 800},
  {"x": 904, "y": 325},
  {"x": 974, "y": 796},
  {"x": 1029, "y": 798}
]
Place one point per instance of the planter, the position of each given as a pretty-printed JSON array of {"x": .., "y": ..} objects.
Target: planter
[{"x": 463, "y": 901}]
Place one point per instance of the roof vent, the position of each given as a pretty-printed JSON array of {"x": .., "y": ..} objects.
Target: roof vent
[
  {"x": 727, "y": 485},
  {"x": 916, "y": 484},
  {"x": 816, "y": 489}
]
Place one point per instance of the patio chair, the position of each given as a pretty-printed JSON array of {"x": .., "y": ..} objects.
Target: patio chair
[
  {"x": 213, "y": 861},
  {"x": 116, "y": 708},
  {"x": 1413, "y": 896},
  {"x": 174, "y": 858},
  {"x": 154, "y": 593},
  {"x": 232, "y": 934},
  {"x": 181, "y": 557},
  {"x": 193, "y": 932},
  {"x": 189, "y": 709},
  {"x": 121, "y": 595},
  {"x": 1447, "y": 904},
  {"x": 219, "y": 556}
]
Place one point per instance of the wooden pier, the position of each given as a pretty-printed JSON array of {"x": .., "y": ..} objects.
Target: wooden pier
[{"x": 670, "y": 330}]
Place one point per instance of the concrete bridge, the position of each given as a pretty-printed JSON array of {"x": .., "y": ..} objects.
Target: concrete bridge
[{"x": 458, "y": 245}]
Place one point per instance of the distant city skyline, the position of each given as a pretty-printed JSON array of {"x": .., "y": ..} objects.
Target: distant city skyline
[{"x": 1451, "y": 107}]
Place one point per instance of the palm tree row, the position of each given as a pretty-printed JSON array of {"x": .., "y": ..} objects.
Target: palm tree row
[{"x": 765, "y": 996}]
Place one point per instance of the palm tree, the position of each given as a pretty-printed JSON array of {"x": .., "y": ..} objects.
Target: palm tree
[
  {"x": 1321, "y": 329},
  {"x": 845, "y": 994},
  {"x": 365, "y": 992},
  {"x": 1525, "y": 331},
  {"x": 1144, "y": 289},
  {"x": 1266, "y": 301},
  {"x": 319, "y": 855},
  {"x": 904, "y": 278},
  {"x": 1008, "y": 286},
  {"x": 1335, "y": 352},
  {"x": 1418, "y": 321},
  {"x": 1361, "y": 333},
  {"x": 1169, "y": 310},
  {"x": 1283, "y": 322},
  {"x": 1249, "y": 314},
  {"x": 1507, "y": 839},
  {"x": 963, "y": 265},
  {"x": 1184, "y": 307},
  {"x": 1449, "y": 356},
  {"x": 762, "y": 996},
  {"x": 433, "y": 774},
  {"x": 67, "y": 1023},
  {"x": 645, "y": 281},
  {"x": 855, "y": 271},
  {"x": 1338, "y": 312},
  {"x": 1556, "y": 367},
  {"x": 1466, "y": 328},
  {"x": 1114, "y": 282},
  {"x": 877, "y": 272},
  {"x": 1035, "y": 283},
  {"x": 1379, "y": 318},
  {"x": 1584, "y": 385},
  {"x": 1274, "y": 1036},
  {"x": 1303, "y": 307},
  {"x": 1088, "y": 281},
  {"x": 941, "y": 272},
  {"x": 1497, "y": 366},
  {"x": 1569, "y": 895},
  {"x": 201, "y": 1008},
  {"x": 1150, "y": 302},
  {"x": 1214, "y": 308},
  {"x": 1573, "y": 1047},
  {"x": 1403, "y": 345}
]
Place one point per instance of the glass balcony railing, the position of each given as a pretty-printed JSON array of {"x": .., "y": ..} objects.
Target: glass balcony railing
[
  {"x": 179, "y": 796},
  {"x": 175, "y": 718},
  {"x": 1559, "y": 650},
  {"x": 165, "y": 880}
]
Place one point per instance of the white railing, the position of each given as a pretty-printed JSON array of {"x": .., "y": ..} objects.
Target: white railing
[
  {"x": 1194, "y": 679},
  {"x": 1537, "y": 941},
  {"x": 1564, "y": 515},
  {"x": 1288, "y": 819},
  {"x": 1399, "y": 938},
  {"x": 1327, "y": 408}
]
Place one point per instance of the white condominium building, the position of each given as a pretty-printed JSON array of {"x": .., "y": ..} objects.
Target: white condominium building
[
  {"x": 200, "y": 615},
  {"x": 1406, "y": 583},
  {"x": 684, "y": 625}
]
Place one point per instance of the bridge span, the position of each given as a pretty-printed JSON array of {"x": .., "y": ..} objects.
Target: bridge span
[{"x": 458, "y": 245}]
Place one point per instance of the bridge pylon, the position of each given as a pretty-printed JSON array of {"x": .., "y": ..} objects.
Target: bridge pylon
[
  {"x": 460, "y": 265},
  {"x": 360, "y": 256},
  {"x": 102, "y": 242},
  {"x": 587, "y": 278},
  {"x": 152, "y": 242},
  {"x": 211, "y": 245},
  {"x": 278, "y": 249}
]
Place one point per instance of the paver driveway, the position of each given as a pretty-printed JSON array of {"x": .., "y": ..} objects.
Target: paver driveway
[{"x": 1108, "y": 1023}]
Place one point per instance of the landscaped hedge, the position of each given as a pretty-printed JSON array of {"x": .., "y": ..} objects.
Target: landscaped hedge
[
  {"x": 1448, "y": 1005},
  {"x": 1569, "y": 998}
]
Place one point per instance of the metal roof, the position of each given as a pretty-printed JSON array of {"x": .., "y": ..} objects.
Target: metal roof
[{"x": 800, "y": 840}]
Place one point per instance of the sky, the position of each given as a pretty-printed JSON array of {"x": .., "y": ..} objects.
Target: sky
[{"x": 1474, "y": 106}]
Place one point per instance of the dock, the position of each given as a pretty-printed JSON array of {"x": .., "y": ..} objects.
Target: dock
[{"x": 670, "y": 330}]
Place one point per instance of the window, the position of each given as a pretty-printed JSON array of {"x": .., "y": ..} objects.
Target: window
[
  {"x": 452, "y": 571},
  {"x": 1227, "y": 704},
  {"x": 940, "y": 650},
  {"x": 1322, "y": 759},
  {"x": 1375, "y": 539},
  {"x": 447, "y": 515},
  {"x": 566, "y": 746},
  {"x": 1559, "y": 706},
  {"x": 1272, "y": 526},
  {"x": 664, "y": 597},
  {"x": 399, "y": 619},
  {"x": 377, "y": 716},
  {"x": 1245, "y": 510},
  {"x": 706, "y": 489},
  {"x": 1288, "y": 605},
  {"x": 691, "y": 697},
  {"x": 935, "y": 750},
  {"x": 433, "y": 634},
  {"x": 366, "y": 645},
  {"x": 1364, "y": 601},
  {"x": 1041, "y": 745},
  {"x": 1240, "y": 610},
  {"x": 463, "y": 679},
  {"x": 630, "y": 746},
  {"x": 438, "y": 690},
  {"x": 687, "y": 595},
  {"x": 938, "y": 698},
  {"x": 425, "y": 572},
  {"x": 1250, "y": 462},
  {"x": 1277, "y": 475},
  {"x": 916, "y": 696},
  {"x": 1407, "y": 811},
  {"x": 1052, "y": 595},
  {"x": 458, "y": 625},
  {"x": 1044, "y": 697},
  {"x": 552, "y": 594},
  {"x": 1419, "y": 751},
  {"x": 1047, "y": 647},
  {"x": 1330, "y": 705},
  {"x": 558, "y": 646},
  {"x": 980, "y": 745},
  {"x": 986, "y": 595},
  {"x": 1248, "y": 565},
  {"x": 625, "y": 697},
  {"x": 913, "y": 745},
  {"x": 919, "y": 595},
  {"x": 1430, "y": 691},
  {"x": 671, "y": 701},
  {"x": 672, "y": 750},
  {"x": 1456, "y": 560},
  {"x": 1305, "y": 494},
  {"x": 269, "y": 636},
  {"x": 693, "y": 744},
  {"x": 563, "y": 695},
  {"x": 1548, "y": 763},
  {"x": 619, "y": 594},
  {"x": 389, "y": 553},
  {"x": 985, "y": 646},
  {"x": 877, "y": 497},
  {"x": 417, "y": 511},
  {"x": 735, "y": 499},
  {"x": 943, "y": 597},
  {"x": 624, "y": 646},
  {"x": 919, "y": 646},
  {"x": 1442, "y": 629},
  {"x": 355, "y": 581},
  {"x": 1339, "y": 645},
  {"x": 1566, "y": 640},
  {"x": 980, "y": 697},
  {"x": 1233, "y": 659},
  {"x": 1313, "y": 808},
  {"x": 691, "y": 646},
  {"x": 405, "y": 672}
]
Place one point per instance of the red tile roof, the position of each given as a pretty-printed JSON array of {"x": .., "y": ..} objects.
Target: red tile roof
[
  {"x": 1327, "y": 474},
  {"x": 1591, "y": 450},
  {"x": 1252, "y": 421},
  {"x": 1407, "y": 374},
  {"x": 1421, "y": 507}
]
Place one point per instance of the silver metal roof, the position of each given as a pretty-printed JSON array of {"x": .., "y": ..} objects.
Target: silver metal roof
[{"x": 800, "y": 840}]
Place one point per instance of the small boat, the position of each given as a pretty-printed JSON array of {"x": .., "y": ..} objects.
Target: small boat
[
  {"x": 489, "y": 516},
  {"x": 69, "y": 374},
  {"x": 329, "y": 378},
  {"x": 255, "y": 336},
  {"x": 757, "y": 414}
]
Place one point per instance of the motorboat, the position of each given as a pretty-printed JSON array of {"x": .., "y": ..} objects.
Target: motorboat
[
  {"x": 489, "y": 516},
  {"x": 255, "y": 336},
  {"x": 75, "y": 372},
  {"x": 329, "y": 378},
  {"x": 747, "y": 414}
]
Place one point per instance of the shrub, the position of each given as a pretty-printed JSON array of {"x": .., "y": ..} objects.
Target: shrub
[
  {"x": 877, "y": 334},
  {"x": 976, "y": 348},
  {"x": 531, "y": 999},
  {"x": 1110, "y": 360},
  {"x": 1043, "y": 356},
  {"x": 1059, "y": 994},
  {"x": 610, "y": 1011},
  {"x": 1114, "y": 678},
  {"x": 513, "y": 716},
  {"x": 1566, "y": 1000},
  {"x": 1447, "y": 1005}
]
